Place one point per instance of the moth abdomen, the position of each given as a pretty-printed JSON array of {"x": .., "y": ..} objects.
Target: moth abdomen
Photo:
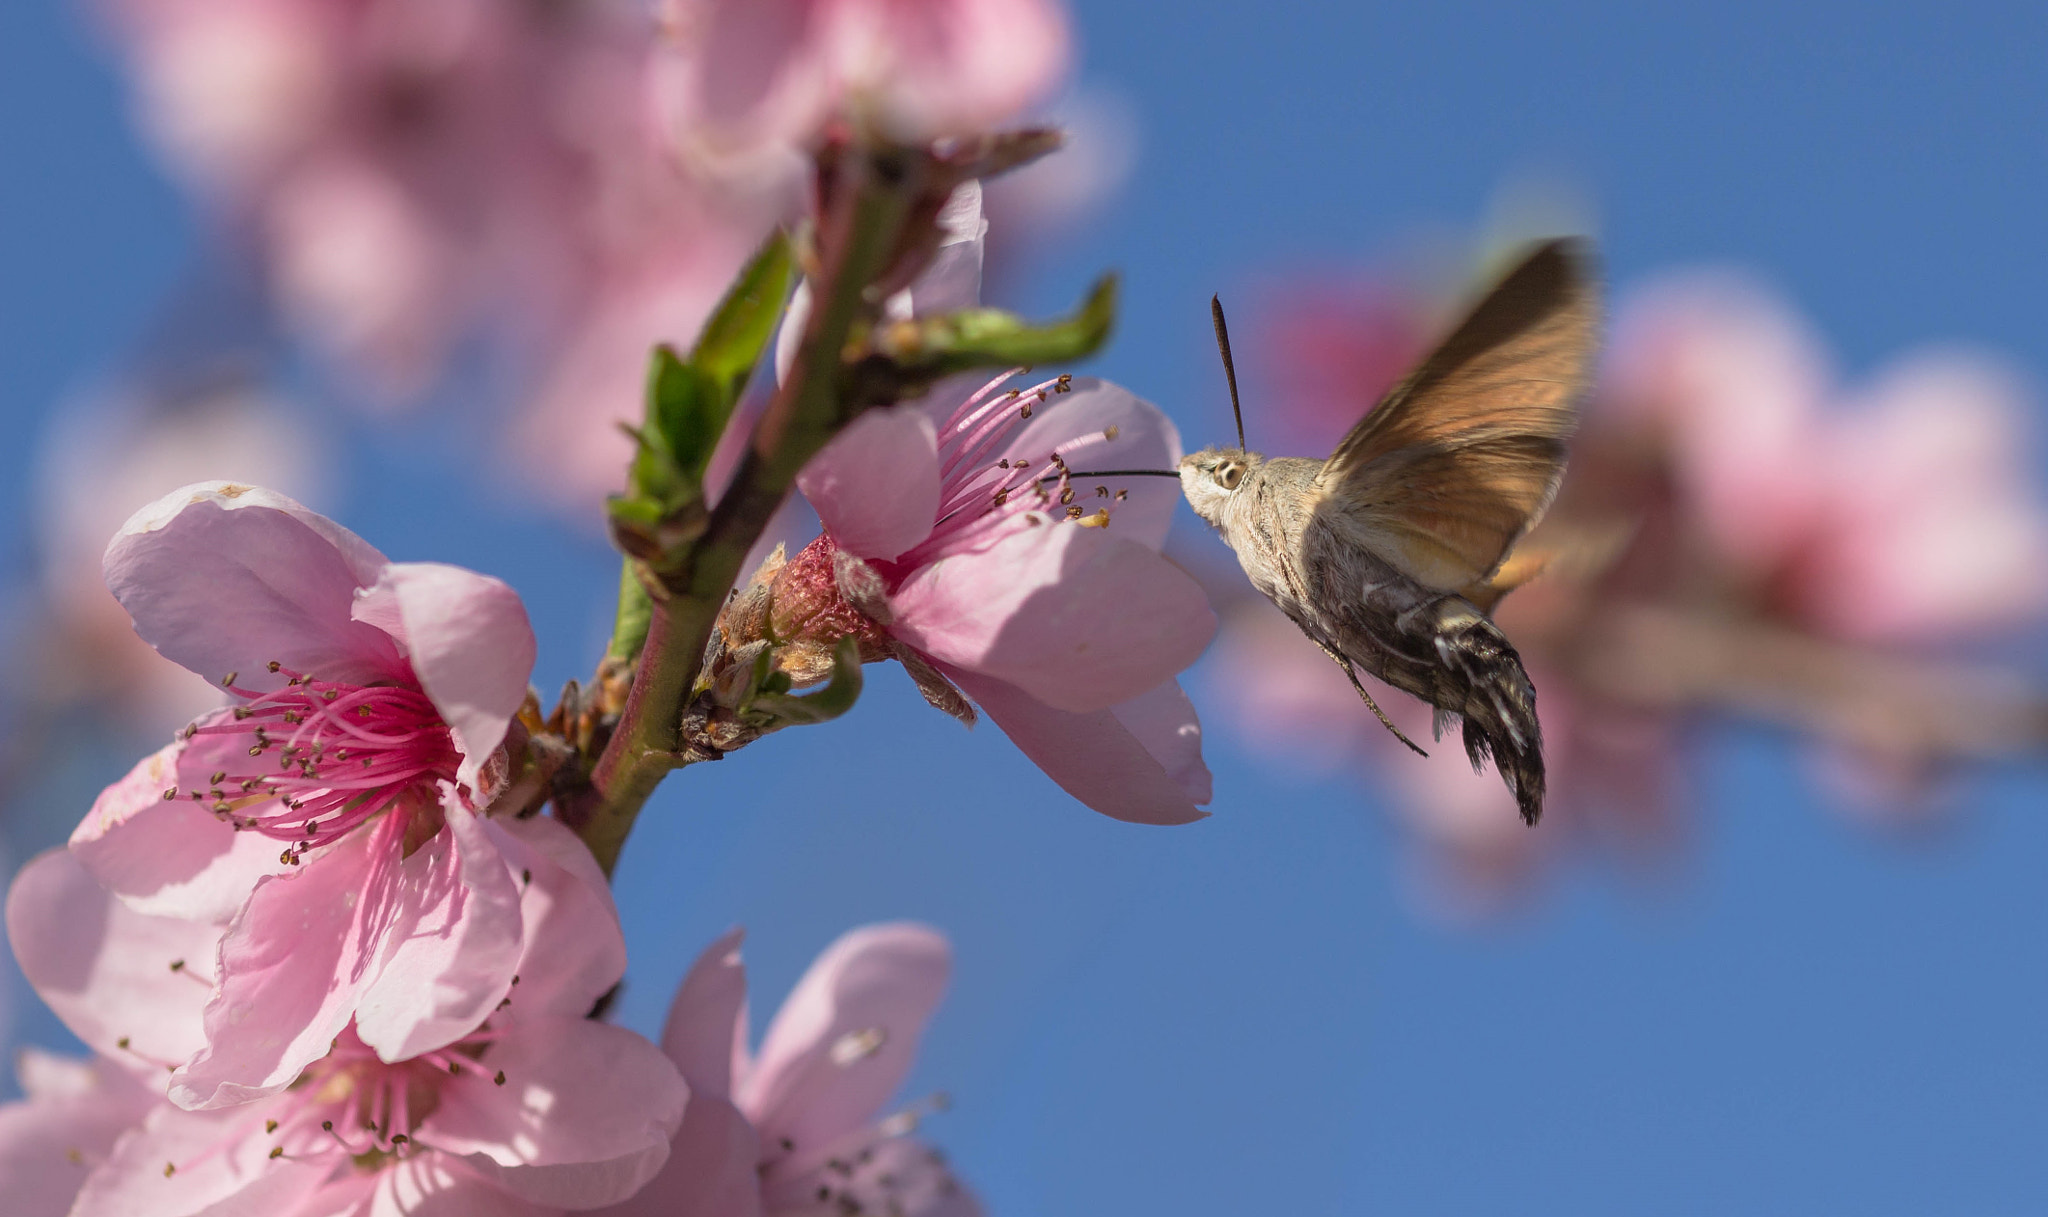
[{"x": 1499, "y": 709}]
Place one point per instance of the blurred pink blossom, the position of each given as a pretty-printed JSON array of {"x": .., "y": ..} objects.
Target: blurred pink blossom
[
  {"x": 1901, "y": 512},
  {"x": 389, "y": 688},
  {"x": 402, "y": 171},
  {"x": 537, "y": 1111},
  {"x": 412, "y": 178},
  {"x": 799, "y": 1129},
  {"x": 750, "y": 86},
  {"x": 106, "y": 452}
]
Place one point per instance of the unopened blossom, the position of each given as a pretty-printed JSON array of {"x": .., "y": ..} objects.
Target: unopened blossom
[
  {"x": 804, "y": 1128},
  {"x": 752, "y": 85},
  {"x": 536, "y": 1111},
  {"x": 330, "y": 816}
]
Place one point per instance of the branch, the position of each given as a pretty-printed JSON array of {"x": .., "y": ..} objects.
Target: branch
[
  {"x": 1921, "y": 709},
  {"x": 858, "y": 240}
]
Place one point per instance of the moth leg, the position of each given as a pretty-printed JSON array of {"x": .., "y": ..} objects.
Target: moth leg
[{"x": 1352, "y": 676}]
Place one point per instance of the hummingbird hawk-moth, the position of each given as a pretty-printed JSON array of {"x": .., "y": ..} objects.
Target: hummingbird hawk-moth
[{"x": 1391, "y": 554}]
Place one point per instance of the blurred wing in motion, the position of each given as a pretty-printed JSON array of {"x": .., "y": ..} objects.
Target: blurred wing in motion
[{"x": 1462, "y": 457}]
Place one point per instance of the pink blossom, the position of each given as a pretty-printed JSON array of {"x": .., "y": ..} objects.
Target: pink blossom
[
  {"x": 751, "y": 83},
  {"x": 410, "y": 176},
  {"x": 348, "y": 857},
  {"x": 997, "y": 564},
  {"x": 535, "y": 1111},
  {"x": 799, "y": 1130},
  {"x": 1041, "y": 596},
  {"x": 65, "y": 1126}
]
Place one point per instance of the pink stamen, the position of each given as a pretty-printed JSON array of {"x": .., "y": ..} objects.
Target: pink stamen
[
  {"x": 343, "y": 754},
  {"x": 351, "y": 1103}
]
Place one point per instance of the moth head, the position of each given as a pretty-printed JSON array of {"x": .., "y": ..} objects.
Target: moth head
[{"x": 1211, "y": 477}]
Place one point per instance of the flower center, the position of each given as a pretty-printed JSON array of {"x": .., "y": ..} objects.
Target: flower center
[
  {"x": 352, "y": 1104},
  {"x": 323, "y": 758},
  {"x": 977, "y": 497}
]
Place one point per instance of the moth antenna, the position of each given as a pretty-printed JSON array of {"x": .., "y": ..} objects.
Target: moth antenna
[{"x": 1229, "y": 368}]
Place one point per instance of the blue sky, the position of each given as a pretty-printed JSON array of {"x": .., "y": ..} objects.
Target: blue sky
[{"x": 1248, "y": 1015}]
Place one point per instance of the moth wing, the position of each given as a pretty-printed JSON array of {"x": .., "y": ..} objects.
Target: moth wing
[{"x": 1462, "y": 457}]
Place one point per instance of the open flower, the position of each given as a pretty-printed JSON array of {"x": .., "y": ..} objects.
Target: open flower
[
  {"x": 963, "y": 537},
  {"x": 965, "y": 534},
  {"x": 540, "y": 1109},
  {"x": 331, "y": 816},
  {"x": 799, "y": 1129}
]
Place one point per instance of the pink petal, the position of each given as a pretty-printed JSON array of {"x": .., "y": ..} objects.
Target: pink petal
[
  {"x": 291, "y": 965},
  {"x": 876, "y": 485},
  {"x": 583, "y": 1119},
  {"x": 224, "y": 578},
  {"x": 1094, "y": 756},
  {"x": 1145, "y": 439},
  {"x": 952, "y": 281},
  {"x": 844, "y": 1040},
  {"x": 106, "y": 969},
  {"x": 713, "y": 1170},
  {"x": 470, "y": 644},
  {"x": 172, "y": 858},
  {"x": 223, "y": 1169},
  {"x": 707, "y": 1018},
  {"x": 574, "y": 950},
  {"x": 1078, "y": 617},
  {"x": 348, "y": 1196},
  {"x": 1164, "y": 723},
  {"x": 437, "y": 1185},
  {"x": 50, "y": 1142},
  {"x": 450, "y": 948}
]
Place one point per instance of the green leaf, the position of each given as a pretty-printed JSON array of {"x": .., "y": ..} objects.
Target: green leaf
[
  {"x": 685, "y": 415},
  {"x": 990, "y": 338},
  {"x": 738, "y": 331},
  {"x": 689, "y": 401},
  {"x": 635, "y": 612}
]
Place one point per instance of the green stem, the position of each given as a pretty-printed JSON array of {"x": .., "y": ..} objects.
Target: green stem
[{"x": 804, "y": 415}]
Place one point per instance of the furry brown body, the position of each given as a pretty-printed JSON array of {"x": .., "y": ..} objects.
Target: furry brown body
[{"x": 1433, "y": 644}]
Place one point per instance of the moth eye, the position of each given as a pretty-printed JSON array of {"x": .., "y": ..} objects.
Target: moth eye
[{"x": 1229, "y": 476}]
